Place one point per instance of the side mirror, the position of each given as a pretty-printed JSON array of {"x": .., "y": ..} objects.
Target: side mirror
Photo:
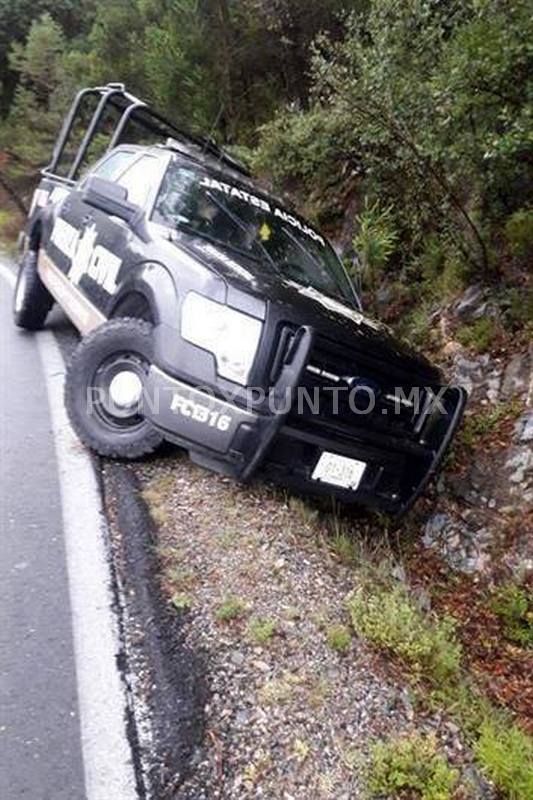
[{"x": 110, "y": 198}]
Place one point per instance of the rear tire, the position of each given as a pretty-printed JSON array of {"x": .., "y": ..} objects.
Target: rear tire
[
  {"x": 32, "y": 301},
  {"x": 103, "y": 389}
]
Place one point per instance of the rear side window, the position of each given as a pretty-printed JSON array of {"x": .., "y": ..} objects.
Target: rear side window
[
  {"x": 114, "y": 164},
  {"x": 139, "y": 178}
]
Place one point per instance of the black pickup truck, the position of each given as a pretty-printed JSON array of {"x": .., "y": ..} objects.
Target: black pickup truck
[{"x": 217, "y": 318}]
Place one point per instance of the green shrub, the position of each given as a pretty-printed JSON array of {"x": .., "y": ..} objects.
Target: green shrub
[
  {"x": 514, "y": 606},
  {"x": 376, "y": 240},
  {"x": 262, "y": 630},
  {"x": 519, "y": 232},
  {"x": 390, "y": 619},
  {"x": 231, "y": 608},
  {"x": 478, "y": 335},
  {"x": 506, "y": 754},
  {"x": 181, "y": 601},
  {"x": 339, "y": 638},
  {"x": 410, "y": 767}
]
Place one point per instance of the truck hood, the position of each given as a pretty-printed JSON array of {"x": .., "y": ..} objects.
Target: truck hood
[{"x": 298, "y": 304}]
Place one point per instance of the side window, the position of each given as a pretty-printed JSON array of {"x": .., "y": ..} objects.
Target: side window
[
  {"x": 113, "y": 165},
  {"x": 139, "y": 179}
]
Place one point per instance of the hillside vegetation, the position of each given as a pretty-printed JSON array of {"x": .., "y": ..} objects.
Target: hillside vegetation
[{"x": 405, "y": 125}]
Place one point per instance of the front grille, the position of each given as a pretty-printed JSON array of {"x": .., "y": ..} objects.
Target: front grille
[{"x": 352, "y": 396}]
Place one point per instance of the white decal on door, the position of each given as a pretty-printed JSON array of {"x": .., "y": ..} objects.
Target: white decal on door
[{"x": 87, "y": 258}]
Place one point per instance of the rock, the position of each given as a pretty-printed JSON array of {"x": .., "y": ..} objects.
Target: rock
[
  {"x": 517, "y": 375},
  {"x": 468, "y": 305},
  {"x": 519, "y": 463},
  {"x": 237, "y": 658},
  {"x": 524, "y": 427}
]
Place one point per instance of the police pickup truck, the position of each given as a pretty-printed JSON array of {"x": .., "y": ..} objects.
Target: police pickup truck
[{"x": 215, "y": 317}]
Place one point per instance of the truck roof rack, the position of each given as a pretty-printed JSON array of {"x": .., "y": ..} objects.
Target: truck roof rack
[{"x": 130, "y": 110}]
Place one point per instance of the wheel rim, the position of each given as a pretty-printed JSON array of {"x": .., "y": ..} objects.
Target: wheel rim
[{"x": 116, "y": 391}]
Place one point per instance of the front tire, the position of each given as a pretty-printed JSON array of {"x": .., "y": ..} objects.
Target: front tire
[
  {"x": 104, "y": 389},
  {"x": 32, "y": 301}
]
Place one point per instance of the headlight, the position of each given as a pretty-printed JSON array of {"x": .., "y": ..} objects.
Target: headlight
[{"x": 232, "y": 337}]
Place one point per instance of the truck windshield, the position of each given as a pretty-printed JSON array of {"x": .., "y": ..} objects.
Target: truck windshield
[{"x": 199, "y": 203}]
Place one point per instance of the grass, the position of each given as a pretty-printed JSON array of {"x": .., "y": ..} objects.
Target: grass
[
  {"x": 480, "y": 424},
  {"x": 410, "y": 766},
  {"x": 339, "y": 638},
  {"x": 514, "y": 607},
  {"x": 261, "y": 631},
  {"x": 478, "y": 335},
  {"x": 389, "y": 618},
  {"x": 278, "y": 691},
  {"x": 231, "y": 608},
  {"x": 155, "y": 495},
  {"x": 506, "y": 754},
  {"x": 181, "y": 601}
]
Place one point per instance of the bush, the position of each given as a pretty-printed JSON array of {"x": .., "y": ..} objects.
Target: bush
[
  {"x": 519, "y": 232},
  {"x": 261, "y": 631},
  {"x": 514, "y": 607},
  {"x": 376, "y": 240},
  {"x": 390, "y": 619},
  {"x": 479, "y": 335},
  {"x": 339, "y": 638},
  {"x": 506, "y": 753},
  {"x": 413, "y": 766},
  {"x": 231, "y": 608}
]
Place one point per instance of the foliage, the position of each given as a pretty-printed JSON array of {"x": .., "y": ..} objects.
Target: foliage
[
  {"x": 339, "y": 638},
  {"x": 375, "y": 240},
  {"x": 181, "y": 601},
  {"x": 519, "y": 232},
  {"x": 231, "y": 608},
  {"x": 388, "y": 617},
  {"x": 426, "y": 108},
  {"x": 507, "y": 756},
  {"x": 514, "y": 606},
  {"x": 410, "y": 764},
  {"x": 477, "y": 335},
  {"x": 261, "y": 631}
]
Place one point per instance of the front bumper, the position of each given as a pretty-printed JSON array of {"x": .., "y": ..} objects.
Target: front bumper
[{"x": 240, "y": 442}]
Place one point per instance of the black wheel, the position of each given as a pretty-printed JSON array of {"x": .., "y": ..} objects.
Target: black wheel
[
  {"x": 32, "y": 301},
  {"x": 104, "y": 389}
]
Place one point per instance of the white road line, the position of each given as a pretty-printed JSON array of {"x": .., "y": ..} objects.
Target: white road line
[{"x": 109, "y": 773}]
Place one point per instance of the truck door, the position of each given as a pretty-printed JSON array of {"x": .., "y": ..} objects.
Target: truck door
[{"x": 94, "y": 248}]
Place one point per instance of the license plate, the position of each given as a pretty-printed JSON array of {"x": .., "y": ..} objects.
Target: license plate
[{"x": 339, "y": 470}]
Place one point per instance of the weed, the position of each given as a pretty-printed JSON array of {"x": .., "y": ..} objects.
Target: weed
[
  {"x": 181, "y": 601},
  {"x": 389, "y": 618},
  {"x": 506, "y": 753},
  {"x": 231, "y": 608},
  {"x": 410, "y": 765},
  {"x": 300, "y": 750},
  {"x": 514, "y": 607},
  {"x": 254, "y": 771},
  {"x": 261, "y": 631},
  {"x": 477, "y": 335},
  {"x": 306, "y": 513},
  {"x": 519, "y": 232},
  {"x": 339, "y": 638},
  {"x": 476, "y": 426},
  {"x": 279, "y": 691},
  {"x": 180, "y": 578},
  {"x": 227, "y": 539},
  {"x": 318, "y": 693}
]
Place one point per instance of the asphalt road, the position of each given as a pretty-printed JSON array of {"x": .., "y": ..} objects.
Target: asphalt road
[{"x": 43, "y": 743}]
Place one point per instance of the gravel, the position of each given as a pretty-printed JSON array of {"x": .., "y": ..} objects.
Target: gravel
[{"x": 288, "y": 718}]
